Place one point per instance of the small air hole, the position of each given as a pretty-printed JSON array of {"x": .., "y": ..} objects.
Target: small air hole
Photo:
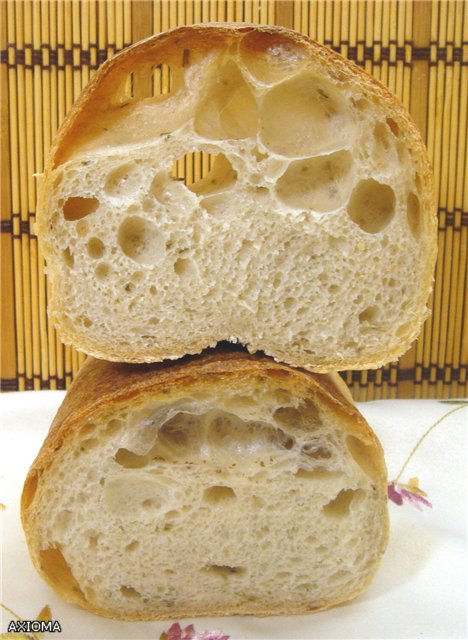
[
  {"x": 225, "y": 571},
  {"x": 339, "y": 506},
  {"x": 394, "y": 128},
  {"x": 95, "y": 248},
  {"x": 413, "y": 214},
  {"x": 130, "y": 592},
  {"x": 218, "y": 494},
  {"x": 369, "y": 314},
  {"x": 93, "y": 541},
  {"x": 184, "y": 267},
  {"x": 79, "y": 207},
  {"x": 68, "y": 257},
  {"x": 113, "y": 426},
  {"x": 82, "y": 228},
  {"x": 372, "y": 205},
  {"x": 130, "y": 460},
  {"x": 137, "y": 276},
  {"x": 89, "y": 443},
  {"x": 102, "y": 271},
  {"x": 132, "y": 546},
  {"x": 140, "y": 240}
]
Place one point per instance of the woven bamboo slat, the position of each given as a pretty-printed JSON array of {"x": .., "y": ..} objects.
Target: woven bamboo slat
[{"x": 49, "y": 51}]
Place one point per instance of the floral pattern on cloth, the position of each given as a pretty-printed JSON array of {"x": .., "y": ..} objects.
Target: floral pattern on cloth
[
  {"x": 175, "y": 632},
  {"x": 400, "y": 493}
]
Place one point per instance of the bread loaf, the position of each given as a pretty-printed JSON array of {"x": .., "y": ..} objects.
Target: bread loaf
[
  {"x": 224, "y": 484},
  {"x": 305, "y": 229}
]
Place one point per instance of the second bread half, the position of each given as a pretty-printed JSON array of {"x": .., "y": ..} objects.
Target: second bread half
[{"x": 224, "y": 484}]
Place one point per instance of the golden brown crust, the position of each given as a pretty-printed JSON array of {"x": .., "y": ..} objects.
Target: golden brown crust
[
  {"x": 101, "y": 387},
  {"x": 98, "y": 100}
]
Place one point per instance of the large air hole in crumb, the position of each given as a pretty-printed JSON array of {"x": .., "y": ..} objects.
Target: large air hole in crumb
[
  {"x": 372, "y": 205},
  {"x": 271, "y": 57},
  {"x": 79, "y": 207},
  {"x": 123, "y": 181},
  {"x": 96, "y": 248},
  {"x": 217, "y": 434},
  {"x": 29, "y": 490},
  {"x": 381, "y": 136},
  {"x": 127, "y": 91},
  {"x": 240, "y": 403},
  {"x": 217, "y": 204},
  {"x": 413, "y": 213},
  {"x": 218, "y": 494},
  {"x": 339, "y": 506},
  {"x": 288, "y": 417},
  {"x": 315, "y": 450},
  {"x": 320, "y": 183},
  {"x": 159, "y": 81},
  {"x": 305, "y": 115},
  {"x": 363, "y": 455},
  {"x": 229, "y": 110},
  {"x": 54, "y": 565},
  {"x": 130, "y": 460},
  {"x": 166, "y": 79},
  {"x": 203, "y": 173},
  {"x": 141, "y": 240}
]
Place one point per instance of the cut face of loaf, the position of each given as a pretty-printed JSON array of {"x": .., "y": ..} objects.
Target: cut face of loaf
[
  {"x": 225, "y": 485},
  {"x": 273, "y": 194}
]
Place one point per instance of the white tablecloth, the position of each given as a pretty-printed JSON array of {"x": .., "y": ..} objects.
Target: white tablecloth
[{"x": 419, "y": 592}]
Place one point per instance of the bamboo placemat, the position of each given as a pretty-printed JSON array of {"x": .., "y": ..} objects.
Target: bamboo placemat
[{"x": 51, "y": 48}]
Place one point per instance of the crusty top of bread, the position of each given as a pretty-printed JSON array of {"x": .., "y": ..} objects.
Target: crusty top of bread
[
  {"x": 312, "y": 237},
  {"x": 295, "y": 454}
]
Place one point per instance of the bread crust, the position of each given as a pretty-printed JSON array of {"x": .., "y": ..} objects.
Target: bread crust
[
  {"x": 89, "y": 111},
  {"x": 100, "y": 388}
]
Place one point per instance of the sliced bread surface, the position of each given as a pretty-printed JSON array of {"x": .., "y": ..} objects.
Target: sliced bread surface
[
  {"x": 225, "y": 484},
  {"x": 275, "y": 195}
]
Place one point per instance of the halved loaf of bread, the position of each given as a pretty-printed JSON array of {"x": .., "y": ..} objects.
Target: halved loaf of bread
[
  {"x": 225, "y": 484},
  {"x": 275, "y": 195}
]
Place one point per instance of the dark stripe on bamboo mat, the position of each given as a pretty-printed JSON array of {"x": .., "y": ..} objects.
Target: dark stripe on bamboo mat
[
  {"x": 7, "y": 226},
  {"x": 419, "y": 374},
  {"x": 60, "y": 58},
  {"x": 432, "y": 375}
]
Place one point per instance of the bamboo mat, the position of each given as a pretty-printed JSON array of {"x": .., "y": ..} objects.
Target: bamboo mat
[{"x": 49, "y": 51}]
